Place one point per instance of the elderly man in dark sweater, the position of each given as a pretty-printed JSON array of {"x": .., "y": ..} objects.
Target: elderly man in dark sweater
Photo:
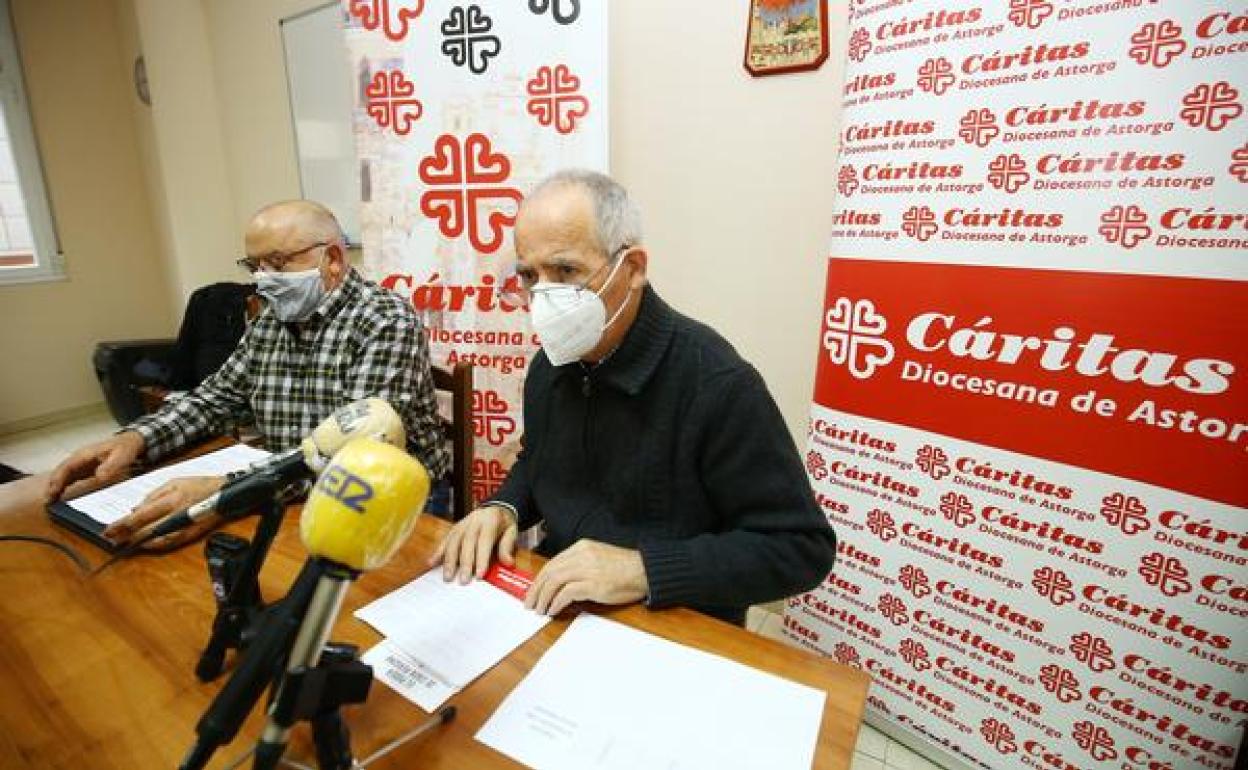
[{"x": 653, "y": 453}]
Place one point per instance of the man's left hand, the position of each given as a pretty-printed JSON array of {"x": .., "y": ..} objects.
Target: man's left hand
[{"x": 588, "y": 571}]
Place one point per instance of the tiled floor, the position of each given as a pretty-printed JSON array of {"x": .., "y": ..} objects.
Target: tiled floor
[{"x": 41, "y": 450}]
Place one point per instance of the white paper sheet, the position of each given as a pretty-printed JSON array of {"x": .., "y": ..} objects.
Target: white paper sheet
[
  {"x": 112, "y": 503},
  {"x": 408, "y": 676},
  {"x": 441, "y": 636},
  {"x": 608, "y": 696}
]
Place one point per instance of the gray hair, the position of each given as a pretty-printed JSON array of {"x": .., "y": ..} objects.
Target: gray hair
[{"x": 617, "y": 219}]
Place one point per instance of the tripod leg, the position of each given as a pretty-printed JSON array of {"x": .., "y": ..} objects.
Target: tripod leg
[
  {"x": 267, "y": 755},
  {"x": 212, "y": 660},
  {"x": 333, "y": 741},
  {"x": 442, "y": 717},
  {"x": 305, "y": 653}
]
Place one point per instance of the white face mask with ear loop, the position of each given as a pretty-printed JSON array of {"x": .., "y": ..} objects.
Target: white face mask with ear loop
[{"x": 570, "y": 319}]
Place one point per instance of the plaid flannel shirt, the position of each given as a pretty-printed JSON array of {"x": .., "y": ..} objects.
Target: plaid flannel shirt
[{"x": 361, "y": 341}]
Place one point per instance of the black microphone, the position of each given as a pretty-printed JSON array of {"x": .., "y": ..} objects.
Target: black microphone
[
  {"x": 370, "y": 417},
  {"x": 241, "y": 495}
]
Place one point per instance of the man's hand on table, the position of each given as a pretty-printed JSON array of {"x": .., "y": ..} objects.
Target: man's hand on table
[
  {"x": 467, "y": 549},
  {"x": 104, "y": 462},
  {"x": 171, "y": 497},
  {"x": 588, "y": 571}
]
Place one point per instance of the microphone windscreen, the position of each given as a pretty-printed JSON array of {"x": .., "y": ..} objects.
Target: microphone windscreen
[
  {"x": 371, "y": 417},
  {"x": 364, "y": 504}
]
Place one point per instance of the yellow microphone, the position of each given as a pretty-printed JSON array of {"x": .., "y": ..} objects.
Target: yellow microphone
[
  {"x": 361, "y": 510},
  {"x": 372, "y": 417},
  {"x": 364, "y": 505}
]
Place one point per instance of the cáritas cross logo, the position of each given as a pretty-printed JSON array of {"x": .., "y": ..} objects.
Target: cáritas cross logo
[
  {"x": 847, "y": 180},
  {"x": 1126, "y": 513},
  {"x": 1029, "y": 13},
  {"x": 467, "y": 190},
  {"x": 860, "y": 45},
  {"x": 1157, "y": 43},
  {"x": 555, "y": 98},
  {"x": 1125, "y": 226},
  {"x": 1211, "y": 106},
  {"x": 491, "y": 417},
  {"x": 853, "y": 335},
  {"x": 392, "y": 18},
  {"x": 919, "y": 222},
  {"x": 999, "y": 735},
  {"x": 1008, "y": 172},
  {"x": 1095, "y": 740},
  {"x": 1165, "y": 573},
  {"x": 391, "y": 102},
  {"x": 933, "y": 461}
]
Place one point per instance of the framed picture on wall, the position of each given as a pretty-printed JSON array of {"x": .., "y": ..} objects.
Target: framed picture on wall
[{"x": 786, "y": 36}]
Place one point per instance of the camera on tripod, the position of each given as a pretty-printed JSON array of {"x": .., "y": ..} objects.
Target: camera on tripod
[
  {"x": 237, "y": 592},
  {"x": 224, "y": 554}
]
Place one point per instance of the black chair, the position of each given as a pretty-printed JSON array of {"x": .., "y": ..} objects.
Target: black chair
[{"x": 134, "y": 374}]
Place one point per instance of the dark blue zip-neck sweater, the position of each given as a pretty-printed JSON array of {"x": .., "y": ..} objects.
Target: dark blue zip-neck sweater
[{"x": 674, "y": 447}]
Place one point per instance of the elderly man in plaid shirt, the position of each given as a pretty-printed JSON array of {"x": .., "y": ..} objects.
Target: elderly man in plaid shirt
[{"x": 326, "y": 338}]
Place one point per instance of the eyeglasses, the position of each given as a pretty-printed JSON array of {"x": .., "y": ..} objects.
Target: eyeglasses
[
  {"x": 530, "y": 279},
  {"x": 276, "y": 261}
]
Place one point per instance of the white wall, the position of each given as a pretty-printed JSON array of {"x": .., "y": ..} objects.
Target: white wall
[
  {"x": 221, "y": 144},
  {"x": 78, "y": 82},
  {"x": 734, "y": 176},
  {"x": 247, "y": 60},
  {"x": 197, "y": 210}
]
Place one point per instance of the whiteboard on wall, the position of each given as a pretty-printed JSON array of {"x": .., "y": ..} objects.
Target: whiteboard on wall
[{"x": 318, "y": 77}]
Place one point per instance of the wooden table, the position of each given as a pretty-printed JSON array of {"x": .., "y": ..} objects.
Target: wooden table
[{"x": 98, "y": 672}]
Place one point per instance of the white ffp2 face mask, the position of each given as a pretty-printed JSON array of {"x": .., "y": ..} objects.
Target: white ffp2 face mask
[
  {"x": 570, "y": 319},
  {"x": 293, "y": 296}
]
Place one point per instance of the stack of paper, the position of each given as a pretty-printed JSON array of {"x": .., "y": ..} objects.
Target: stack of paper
[
  {"x": 608, "y": 696},
  {"x": 440, "y": 636}
]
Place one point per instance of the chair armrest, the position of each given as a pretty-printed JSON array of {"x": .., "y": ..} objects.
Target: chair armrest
[
  {"x": 121, "y": 366},
  {"x": 138, "y": 347}
]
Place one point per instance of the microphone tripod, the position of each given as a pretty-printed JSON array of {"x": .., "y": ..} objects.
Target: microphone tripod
[
  {"x": 363, "y": 505},
  {"x": 320, "y": 679},
  {"x": 312, "y": 680},
  {"x": 262, "y": 662}
]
